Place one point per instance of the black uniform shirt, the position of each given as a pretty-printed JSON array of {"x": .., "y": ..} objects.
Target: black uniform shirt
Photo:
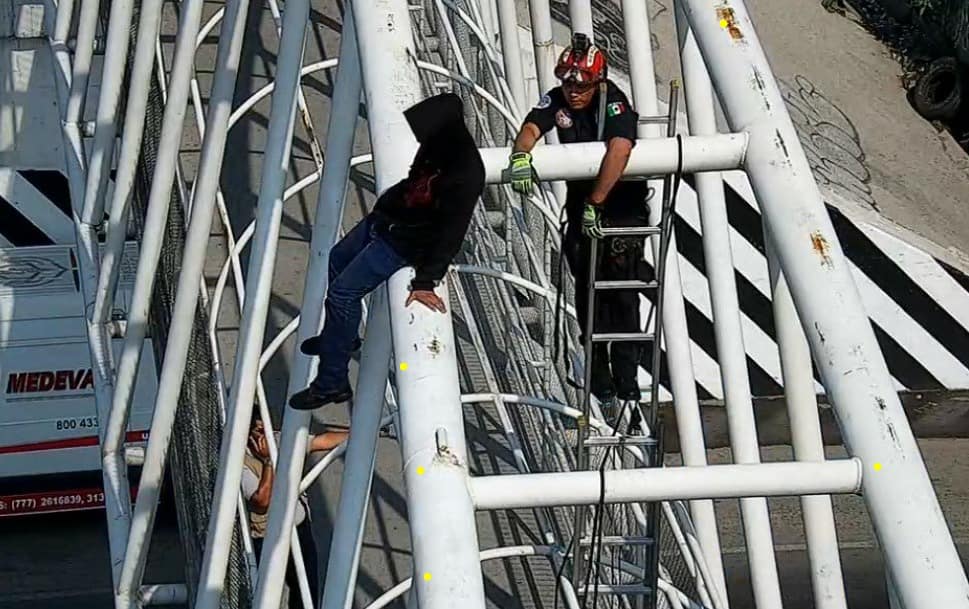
[{"x": 626, "y": 201}]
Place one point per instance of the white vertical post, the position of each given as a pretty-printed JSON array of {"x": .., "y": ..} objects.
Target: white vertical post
[
  {"x": 511, "y": 53},
  {"x": 282, "y": 119},
  {"x": 131, "y": 138},
  {"x": 541, "y": 18},
  {"x": 676, "y": 334},
  {"x": 329, "y": 215},
  {"x": 802, "y": 412},
  {"x": 580, "y": 14},
  {"x": 115, "y": 57},
  {"x": 432, "y": 431},
  {"x": 196, "y": 244},
  {"x": 726, "y": 322},
  {"x": 905, "y": 512},
  {"x": 81, "y": 64}
]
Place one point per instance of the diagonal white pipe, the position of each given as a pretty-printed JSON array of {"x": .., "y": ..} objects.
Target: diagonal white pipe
[
  {"x": 918, "y": 546},
  {"x": 432, "y": 432}
]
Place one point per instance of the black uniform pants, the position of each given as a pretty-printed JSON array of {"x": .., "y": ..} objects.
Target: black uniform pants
[{"x": 615, "y": 372}]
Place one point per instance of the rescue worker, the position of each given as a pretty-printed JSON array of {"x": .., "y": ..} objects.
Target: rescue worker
[
  {"x": 257, "y": 488},
  {"x": 589, "y": 107},
  {"x": 421, "y": 221}
]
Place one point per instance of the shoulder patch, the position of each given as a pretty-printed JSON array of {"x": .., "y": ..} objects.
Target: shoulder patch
[
  {"x": 545, "y": 102},
  {"x": 615, "y": 108}
]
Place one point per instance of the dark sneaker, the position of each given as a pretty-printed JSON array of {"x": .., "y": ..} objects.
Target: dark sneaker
[
  {"x": 311, "y": 346},
  {"x": 312, "y": 398}
]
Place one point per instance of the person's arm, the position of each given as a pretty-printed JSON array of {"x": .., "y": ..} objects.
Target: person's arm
[
  {"x": 259, "y": 501},
  {"x": 260, "y": 497},
  {"x": 527, "y": 137},
  {"x": 328, "y": 440},
  {"x": 619, "y": 133},
  {"x": 613, "y": 164},
  {"x": 460, "y": 200}
]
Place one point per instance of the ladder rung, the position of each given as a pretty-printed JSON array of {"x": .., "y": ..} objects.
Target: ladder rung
[
  {"x": 660, "y": 120},
  {"x": 617, "y": 440},
  {"x": 623, "y": 337},
  {"x": 616, "y": 589},
  {"x": 619, "y": 540},
  {"x": 626, "y": 284},
  {"x": 630, "y": 231}
]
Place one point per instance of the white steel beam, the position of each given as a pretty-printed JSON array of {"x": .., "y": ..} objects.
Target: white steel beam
[
  {"x": 686, "y": 406},
  {"x": 329, "y": 215},
  {"x": 196, "y": 243},
  {"x": 666, "y": 484},
  {"x": 731, "y": 353},
  {"x": 580, "y": 14},
  {"x": 511, "y": 54},
  {"x": 650, "y": 157},
  {"x": 908, "y": 521},
  {"x": 802, "y": 412},
  {"x": 439, "y": 508},
  {"x": 258, "y": 291}
]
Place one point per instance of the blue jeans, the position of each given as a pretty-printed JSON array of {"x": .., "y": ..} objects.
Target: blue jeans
[{"x": 360, "y": 262}]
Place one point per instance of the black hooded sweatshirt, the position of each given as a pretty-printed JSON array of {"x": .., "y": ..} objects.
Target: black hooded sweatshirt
[{"x": 425, "y": 216}]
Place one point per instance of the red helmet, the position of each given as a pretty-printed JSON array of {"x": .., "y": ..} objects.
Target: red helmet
[{"x": 582, "y": 62}]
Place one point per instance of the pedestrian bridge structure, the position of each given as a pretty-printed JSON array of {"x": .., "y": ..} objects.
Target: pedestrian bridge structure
[{"x": 653, "y": 536}]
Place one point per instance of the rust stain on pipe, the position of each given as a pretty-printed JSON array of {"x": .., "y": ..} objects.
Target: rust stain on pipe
[
  {"x": 821, "y": 247},
  {"x": 726, "y": 15}
]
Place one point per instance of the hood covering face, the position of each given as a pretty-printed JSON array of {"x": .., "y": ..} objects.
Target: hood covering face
[{"x": 438, "y": 124}]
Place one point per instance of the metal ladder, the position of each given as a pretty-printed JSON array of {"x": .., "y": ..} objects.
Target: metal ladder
[{"x": 641, "y": 550}]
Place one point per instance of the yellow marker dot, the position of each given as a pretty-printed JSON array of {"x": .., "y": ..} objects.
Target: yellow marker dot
[
  {"x": 427, "y": 577},
  {"x": 877, "y": 466},
  {"x": 420, "y": 470},
  {"x": 723, "y": 23},
  {"x": 403, "y": 365}
]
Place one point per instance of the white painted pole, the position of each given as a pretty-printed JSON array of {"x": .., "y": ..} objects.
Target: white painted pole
[
  {"x": 732, "y": 355},
  {"x": 544, "y": 49},
  {"x": 512, "y": 55},
  {"x": 196, "y": 244},
  {"x": 115, "y": 57},
  {"x": 439, "y": 507},
  {"x": 901, "y": 500},
  {"x": 328, "y": 219},
  {"x": 580, "y": 14},
  {"x": 649, "y": 157},
  {"x": 131, "y": 138},
  {"x": 81, "y": 64},
  {"x": 676, "y": 333},
  {"x": 116, "y": 489},
  {"x": 512, "y": 491},
  {"x": 348, "y": 528},
  {"x": 802, "y": 411},
  {"x": 282, "y": 119}
]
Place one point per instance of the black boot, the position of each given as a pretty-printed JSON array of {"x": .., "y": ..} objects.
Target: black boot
[
  {"x": 311, "y": 346},
  {"x": 312, "y": 398}
]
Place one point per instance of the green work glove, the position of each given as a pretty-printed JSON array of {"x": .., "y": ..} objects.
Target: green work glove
[
  {"x": 520, "y": 172},
  {"x": 591, "y": 224}
]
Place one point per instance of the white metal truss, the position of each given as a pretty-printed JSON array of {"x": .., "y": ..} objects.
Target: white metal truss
[{"x": 817, "y": 310}]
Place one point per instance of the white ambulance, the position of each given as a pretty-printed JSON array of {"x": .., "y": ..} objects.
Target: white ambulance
[{"x": 49, "y": 451}]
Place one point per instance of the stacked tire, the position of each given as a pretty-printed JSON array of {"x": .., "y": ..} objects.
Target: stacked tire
[{"x": 938, "y": 93}]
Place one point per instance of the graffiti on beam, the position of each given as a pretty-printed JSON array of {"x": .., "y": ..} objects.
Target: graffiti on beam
[
  {"x": 609, "y": 33},
  {"x": 830, "y": 141}
]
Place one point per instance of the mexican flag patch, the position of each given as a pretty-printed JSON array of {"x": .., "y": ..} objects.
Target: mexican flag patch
[{"x": 615, "y": 109}]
